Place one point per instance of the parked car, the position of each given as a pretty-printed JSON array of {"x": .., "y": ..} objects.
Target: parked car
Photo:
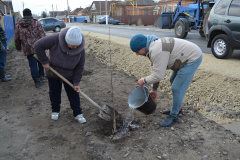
[
  {"x": 52, "y": 24},
  {"x": 102, "y": 20},
  {"x": 224, "y": 28}
]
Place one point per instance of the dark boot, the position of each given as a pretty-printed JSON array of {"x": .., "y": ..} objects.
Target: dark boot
[
  {"x": 169, "y": 121},
  {"x": 3, "y": 77},
  {"x": 43, "y": 78},
  {"x": 37, "y": 82}
]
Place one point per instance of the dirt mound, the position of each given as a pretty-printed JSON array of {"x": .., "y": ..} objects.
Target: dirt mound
[{"x": 214, "y": 90}]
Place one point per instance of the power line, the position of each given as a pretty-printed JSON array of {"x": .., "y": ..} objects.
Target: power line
[{"x": 34, "y": 4}]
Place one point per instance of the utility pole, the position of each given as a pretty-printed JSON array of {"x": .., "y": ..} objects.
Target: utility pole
[
  {"x": 46, "y": 11},
  {"x": 106, "y": 12},
  {"x": 68, "y": 12},
  {"x": 100, "y": 2},
  {"x": 23, "y": 5},
  {"x": 53, "y": 11}
]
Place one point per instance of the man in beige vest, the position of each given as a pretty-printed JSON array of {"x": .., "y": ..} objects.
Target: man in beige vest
[{"x": 182, "y": 56}]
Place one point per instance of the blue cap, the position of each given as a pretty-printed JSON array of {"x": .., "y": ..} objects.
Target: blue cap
[{"x": 138, "y": 42}]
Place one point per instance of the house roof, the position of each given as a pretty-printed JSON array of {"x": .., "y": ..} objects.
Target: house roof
[
  {"x": 138, "y": 2},
  {"x": 8, "y": 3},
  {"x": 75, "y": 11},
  {"x": 63, "y": 13},
  {"x": 84, "y": 11},
  {"x": 96, "y": 5}
]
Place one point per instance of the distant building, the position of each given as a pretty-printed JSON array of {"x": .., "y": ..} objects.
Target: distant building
[
  {"x": 98, "y": 7},
  {"x": 6, "y": 6},
  {"x": 139, "y": 7},
  {"x": 54, "y": 13},
  {"x": 62, "y": 15},
  {"x": 75, "y": 11},
  {"x": 171, "y": 5},
  {"x": 83, "y": 12}
]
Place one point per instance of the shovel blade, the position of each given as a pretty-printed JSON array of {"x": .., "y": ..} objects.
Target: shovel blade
[
  {"x": 104, "y": 116},
  {"x": 107, "y": 113}
]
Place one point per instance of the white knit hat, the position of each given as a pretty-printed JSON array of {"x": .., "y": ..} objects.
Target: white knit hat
[{"x": 74, "y": 36}]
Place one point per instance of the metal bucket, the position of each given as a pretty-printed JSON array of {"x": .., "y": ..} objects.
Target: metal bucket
[
  {"x": 165, "y": 20},
  {"x": 141, "y": 100}
]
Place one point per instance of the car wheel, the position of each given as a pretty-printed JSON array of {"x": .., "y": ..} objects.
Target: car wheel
[
  {"x": 221, "y": 47},
  {"x": 57, "y": 29},
  {"x": 180, "y": 30}
]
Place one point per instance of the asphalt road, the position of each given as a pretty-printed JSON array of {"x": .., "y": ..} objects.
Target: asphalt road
[{"x": 127, "y": 31}]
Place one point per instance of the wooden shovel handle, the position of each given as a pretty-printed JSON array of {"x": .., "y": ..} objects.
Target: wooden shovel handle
[
  {"x": 71, "y": 85},
  {"x": 59, "y": 75}
]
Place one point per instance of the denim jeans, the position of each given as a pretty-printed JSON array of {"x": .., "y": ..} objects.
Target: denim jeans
[
  {"x": 3, "y": 56},
  {"x": 35, "y": 67},
  {"x": 55, "y": 89},
  {"x": 180, "y": 81}
]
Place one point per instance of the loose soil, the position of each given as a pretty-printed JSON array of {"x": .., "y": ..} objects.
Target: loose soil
[
  {"x": 214, "y": 90},
  {"x": 27, "y": 132}
]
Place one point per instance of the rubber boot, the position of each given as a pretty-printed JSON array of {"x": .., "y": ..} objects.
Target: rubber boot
[
  {"x": 37, "y": 82},
  {"x": 3, "y": 77},
  {"x": 42, "y": 78}
]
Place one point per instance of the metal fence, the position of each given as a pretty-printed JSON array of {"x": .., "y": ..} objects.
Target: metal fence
[
  {"x": 8, "y": 24},
  {"x": 137, "y": 19}
]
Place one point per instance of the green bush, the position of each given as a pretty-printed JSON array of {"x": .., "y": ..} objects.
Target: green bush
[{"x": 11, "y": 45}]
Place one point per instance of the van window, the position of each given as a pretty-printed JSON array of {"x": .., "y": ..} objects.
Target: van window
[
  {"x": 221, "y": 7},
  {"x": 234, "y": 8}
]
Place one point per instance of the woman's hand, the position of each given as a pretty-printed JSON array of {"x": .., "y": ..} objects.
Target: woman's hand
[
  {"x": 46, "y": 66},
  {"x": 76, "y": 88},
  {"x": 154, "y": 95},
  {"x": 141, "y": 82}
]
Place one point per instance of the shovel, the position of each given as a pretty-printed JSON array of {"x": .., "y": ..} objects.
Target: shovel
[{"x": 106, "y": 112}]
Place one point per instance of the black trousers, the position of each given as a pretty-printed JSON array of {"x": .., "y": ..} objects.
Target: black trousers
[{"x": 55, "y": 89}]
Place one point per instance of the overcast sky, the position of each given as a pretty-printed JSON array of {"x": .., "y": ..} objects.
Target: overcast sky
[{"x": 38, "y": 6}]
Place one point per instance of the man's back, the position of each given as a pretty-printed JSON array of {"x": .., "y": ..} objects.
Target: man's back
[{"x": 27, "y": 32}]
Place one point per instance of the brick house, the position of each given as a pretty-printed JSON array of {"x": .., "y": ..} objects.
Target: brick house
[
  {"x": 6, "y": 6},
  {"x": 170, "y": 5},
  {"x": 134, "y": 7},
  {"x": 75, "y": 12},
  {"x": 83, "y": 12},
  {"x": 98, "y": 7},
  {"x": 145, "y": 7}
]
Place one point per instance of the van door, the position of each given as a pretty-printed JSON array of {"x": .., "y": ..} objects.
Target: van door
[{"x": 232, "y": 21}]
